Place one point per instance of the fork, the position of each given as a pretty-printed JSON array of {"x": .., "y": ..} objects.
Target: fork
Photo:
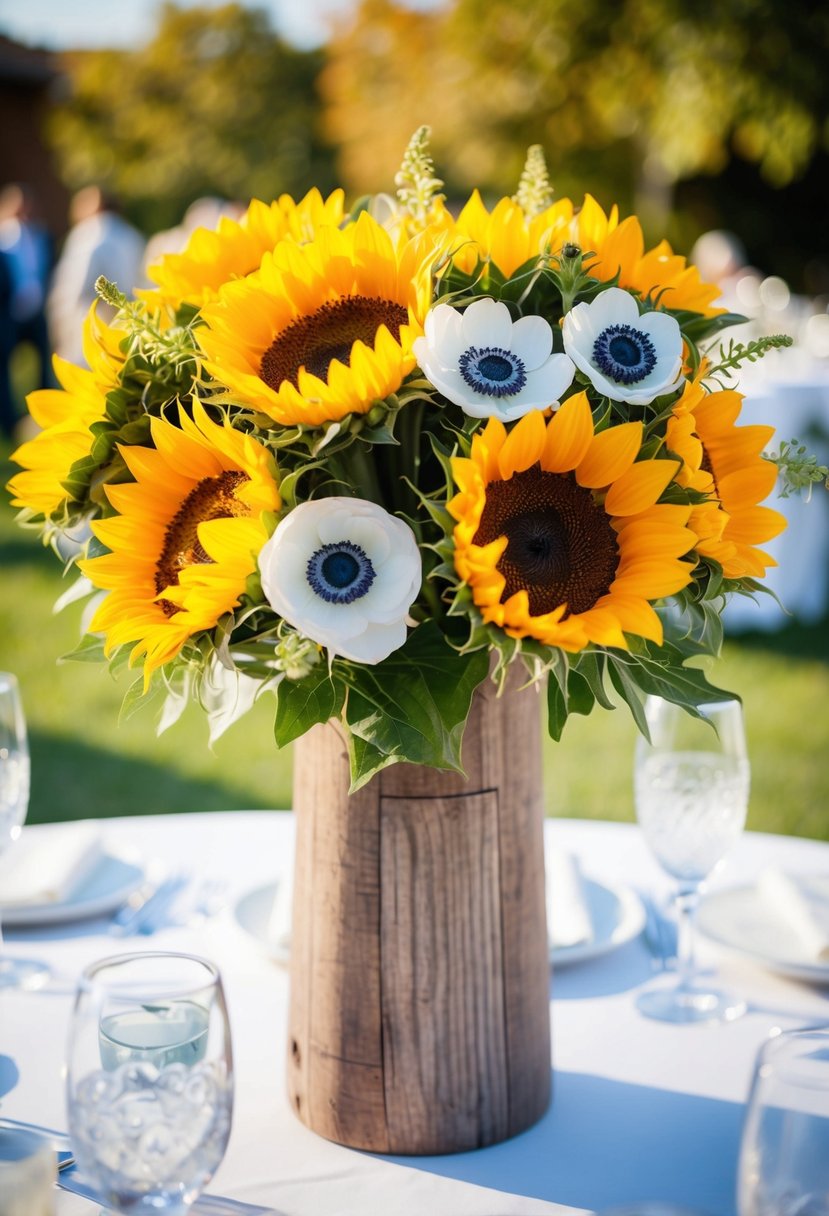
[
  {"x": 150, "y": 914},
  {"x": 660, "y": 935}
]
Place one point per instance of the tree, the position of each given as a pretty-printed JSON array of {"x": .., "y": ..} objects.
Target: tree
[
  {"x": 216, "y": 103},
  {"x": 630, "y": 99}
]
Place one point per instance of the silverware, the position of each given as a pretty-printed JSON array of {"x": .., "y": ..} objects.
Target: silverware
[
  {"x": 205, "y": 1205},
  {"x": 660, "y": 935},
  {"x": 149, "y": 914}
]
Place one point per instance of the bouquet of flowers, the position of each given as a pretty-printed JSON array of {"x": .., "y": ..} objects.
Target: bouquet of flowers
[{"x": 365, "y": 461}]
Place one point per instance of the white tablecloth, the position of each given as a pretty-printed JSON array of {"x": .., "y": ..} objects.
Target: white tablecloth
[
  {"x": 641, "y": 1110},
  {"x": 790, "y": 391}
]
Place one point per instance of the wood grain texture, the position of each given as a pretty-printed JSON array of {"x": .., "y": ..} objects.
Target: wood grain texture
[{"x": 419, "y": 973}]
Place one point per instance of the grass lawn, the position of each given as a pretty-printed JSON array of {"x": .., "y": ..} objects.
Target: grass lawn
[{"x": 86, "y": 763}]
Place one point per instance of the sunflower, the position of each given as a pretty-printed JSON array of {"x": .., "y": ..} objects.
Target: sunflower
[
  {"x": 725, "y": 462},
  {"x": 324, "y": 329},
  {"x": 65, "y": 416},
  {"x": 186, "y": 536},
  {"x": 507, "y": 236},
  {"x": 212, "y": 258},
  {"x": 619, "y": 249},
  {"x": 559, "y": 532}
]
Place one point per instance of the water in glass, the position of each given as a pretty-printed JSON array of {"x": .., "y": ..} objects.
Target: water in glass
[{"x": 150, "y": 1080}]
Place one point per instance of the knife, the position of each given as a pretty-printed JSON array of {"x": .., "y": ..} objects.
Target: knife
[{"x": 205, "y": 1205}]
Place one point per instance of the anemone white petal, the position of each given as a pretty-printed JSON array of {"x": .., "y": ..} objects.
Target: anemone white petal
[
  {"x": 532, "y": 341},
  {"x": 377, "y": 613},
  {"x": 443, "y": 329},
  {"x": 487, "y": 322},
  {"x": 374, "y": 644},
  {"x": 591, "y": 347}
]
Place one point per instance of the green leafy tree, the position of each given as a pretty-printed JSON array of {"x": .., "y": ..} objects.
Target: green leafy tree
[
  {"x": 216, "y": 103},
  {"x": 630, "y": 98}
]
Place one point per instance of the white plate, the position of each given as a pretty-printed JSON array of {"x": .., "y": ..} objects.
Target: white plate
[
  {"x": 617, "y": 916},
  {"x": 738, "y": 917},
  {"x": 106, "y": 888},
  {"x": 616, "y": 913}
]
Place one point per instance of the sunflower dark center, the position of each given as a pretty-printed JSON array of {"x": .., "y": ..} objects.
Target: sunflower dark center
[
  {"x": 340, "y": 572},
  {"x": 328, "y": 333},
  {"x": 212, "y": 498},
  {"x": 561, "y": 548},
  {"x": 492, "y": 371},
  {"x": 624, "y": 354}
]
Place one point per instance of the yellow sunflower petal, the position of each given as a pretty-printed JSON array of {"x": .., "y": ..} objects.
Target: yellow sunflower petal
[
  {"x": 569, "y": 435},
  {"x": 640, "y": 486},
  {"x": 610, "y": 455},
  {"x": 523, "y": 445}
]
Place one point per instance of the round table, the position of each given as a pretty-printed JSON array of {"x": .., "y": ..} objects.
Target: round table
[{"x": 641, "y": 1110}]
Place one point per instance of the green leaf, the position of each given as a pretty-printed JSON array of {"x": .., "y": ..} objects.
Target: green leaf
[
  {"x": 620, "y": 678},
  {"x": 413, "y": 706},
  {"x": 301, "y": 704},
  {"x": 136, "y": 699},
  {"x": 591, "y": 667},
  {"x": 556, "y": 710},
  {"x": 580, "y": 698},
  {"x": 90, "y": 649},
  {"x": 658, "y": 671},
  {"x": 365, "y": 761}
]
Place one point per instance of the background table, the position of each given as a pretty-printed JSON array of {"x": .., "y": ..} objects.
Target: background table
[{"x": 641, "y": 1110}]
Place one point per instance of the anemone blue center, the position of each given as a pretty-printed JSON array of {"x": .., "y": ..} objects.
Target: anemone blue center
[
  {"x": 624, "y": 354},
  {"x": 340, "y": 573},
  {"x": 493, "y": 371}
]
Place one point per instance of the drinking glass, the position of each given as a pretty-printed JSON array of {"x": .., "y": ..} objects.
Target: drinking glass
[
  {"x": 691, "y": 787},
  {"x": 784, "y": 1157},
  {"x": 150, "y": 1080},
  {"x": 14, "y": 803}
]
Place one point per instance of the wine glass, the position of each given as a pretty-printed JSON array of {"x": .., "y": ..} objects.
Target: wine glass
[
  {"x": 150, "y": 1079},
  {"x": 691, "y": 788},
  {"x": 784, "y": 1156},
  {"x": 14, "y": 803}
]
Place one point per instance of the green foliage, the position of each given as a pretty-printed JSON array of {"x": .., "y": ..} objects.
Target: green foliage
[
  {"x": 535, "y": 192},
  {"x": 412, "y": 706},
  {"x": 417, "y": 186},
  {"x": 798, "y": 468},
  {"x": 735, "y": 354},
  {"x": 214, "y": 104}
]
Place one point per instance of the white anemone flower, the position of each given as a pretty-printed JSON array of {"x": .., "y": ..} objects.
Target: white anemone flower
[
  {"x": 490, "y": 365},
  {"x": 344, "y": 573},
  {"x": 627, "y": 356}
]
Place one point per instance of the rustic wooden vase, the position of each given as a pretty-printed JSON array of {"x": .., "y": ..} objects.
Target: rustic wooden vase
[{"x": 419, "y": 1015}]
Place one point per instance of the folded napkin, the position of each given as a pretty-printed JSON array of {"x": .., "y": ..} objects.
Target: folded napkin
[
  {"x": 48, "y": 867},
  {"x": 568, "y": 916},
  {"x": 781, "y": 894}
]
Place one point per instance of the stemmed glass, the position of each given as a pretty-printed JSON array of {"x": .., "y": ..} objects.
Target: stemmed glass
[
  {"x": 691, "y": 788},
  {"x": 784, "y": 1158},
  {"x": 14, "y": 803},
  {"x": 150, "y": 1079}
]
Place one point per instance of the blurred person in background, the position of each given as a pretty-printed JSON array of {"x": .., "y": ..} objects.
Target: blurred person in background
[
  {"x": 100, "y": 242},
  {"x": 26, "y": 253}
]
